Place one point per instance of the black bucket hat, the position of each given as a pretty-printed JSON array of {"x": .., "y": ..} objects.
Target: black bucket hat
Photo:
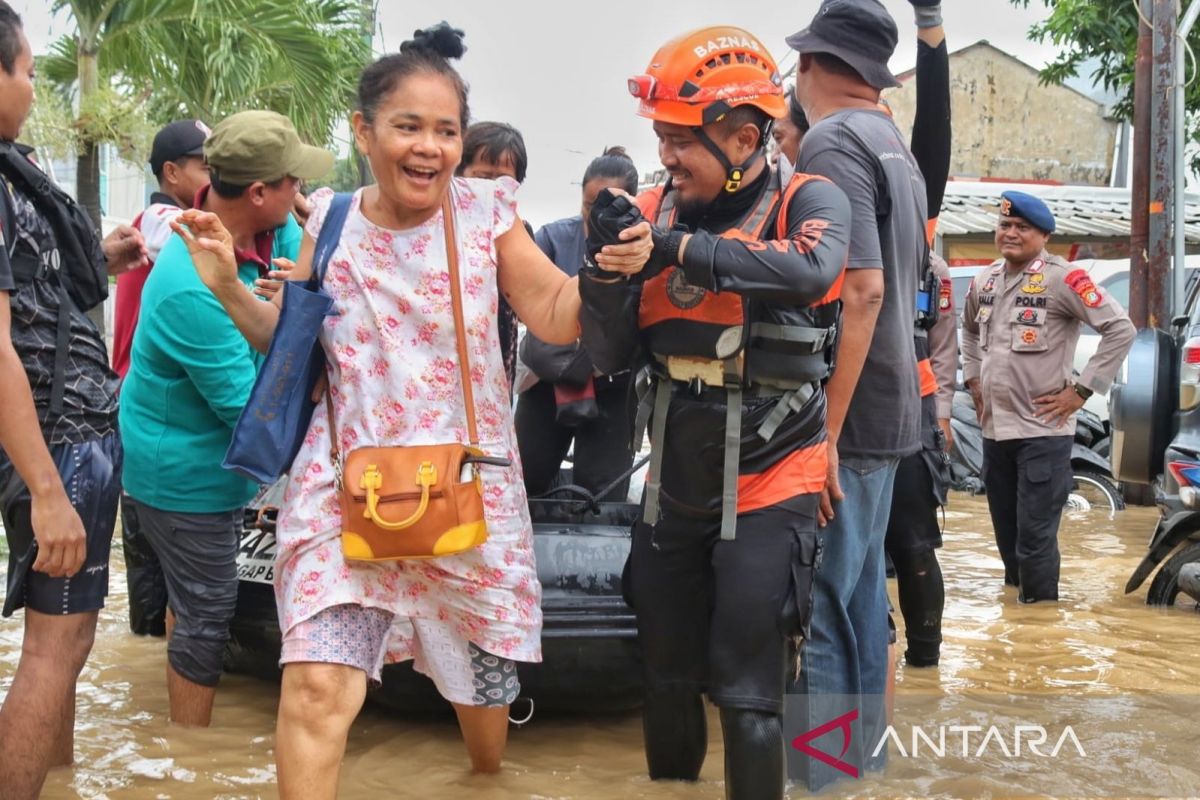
[{"x": 860, "y": 32}]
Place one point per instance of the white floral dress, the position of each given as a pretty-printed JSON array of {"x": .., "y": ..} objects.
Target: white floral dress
[{"x": 396, "y": 380}]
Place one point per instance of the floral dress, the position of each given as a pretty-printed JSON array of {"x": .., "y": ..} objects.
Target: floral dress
[{"x": 395, "y": 379}]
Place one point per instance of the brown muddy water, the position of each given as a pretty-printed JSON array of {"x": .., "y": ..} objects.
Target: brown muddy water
[{"x": 1125, "y": 677}]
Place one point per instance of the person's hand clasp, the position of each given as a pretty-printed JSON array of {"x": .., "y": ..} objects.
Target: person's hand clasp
[
  {"x": 618, "y": 239},
  {"x": 210, "y": 246},
  {"x": 58, "y": 531}
]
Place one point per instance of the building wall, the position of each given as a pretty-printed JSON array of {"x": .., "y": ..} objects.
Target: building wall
[{"x": 1007, "y": 125}]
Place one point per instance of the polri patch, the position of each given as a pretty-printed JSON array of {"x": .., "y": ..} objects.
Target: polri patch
[
  {"x": 1027, "y": 316},
  {"x": 1081, "y": 284},
  {"x": 946, "y": 295}
]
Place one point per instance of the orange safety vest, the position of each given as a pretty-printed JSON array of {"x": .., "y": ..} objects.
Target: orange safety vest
[{"x": 680, "y": 320}]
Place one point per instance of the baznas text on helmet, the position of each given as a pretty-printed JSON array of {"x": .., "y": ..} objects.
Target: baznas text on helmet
[{"x": 726, "y": 43}]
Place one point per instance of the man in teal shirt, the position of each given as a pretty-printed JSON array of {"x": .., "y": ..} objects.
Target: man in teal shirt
[{"x": 190, "y": 374}]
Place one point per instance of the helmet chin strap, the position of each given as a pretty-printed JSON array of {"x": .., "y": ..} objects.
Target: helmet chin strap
[{"x": 734, "y": 175}]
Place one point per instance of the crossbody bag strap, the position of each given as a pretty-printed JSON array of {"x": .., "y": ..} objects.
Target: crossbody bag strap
[{"x": 460, "y": 328}]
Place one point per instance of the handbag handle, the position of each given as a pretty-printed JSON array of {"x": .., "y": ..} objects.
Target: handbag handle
[
  {"x": 372, "y": 480},
  {"x": 460, "y": 335}
]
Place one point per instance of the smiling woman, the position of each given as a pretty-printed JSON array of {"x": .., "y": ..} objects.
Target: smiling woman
[{"x": 394, "y": 381}]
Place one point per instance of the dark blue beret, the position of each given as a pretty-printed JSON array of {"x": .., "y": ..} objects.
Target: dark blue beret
[{"x": 1032, "y": 209}]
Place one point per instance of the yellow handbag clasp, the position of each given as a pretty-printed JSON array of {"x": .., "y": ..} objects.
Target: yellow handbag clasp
[{"x": 372, "y": 482}]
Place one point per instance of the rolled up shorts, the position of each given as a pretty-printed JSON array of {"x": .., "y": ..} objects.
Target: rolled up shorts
[
  {"x": 91, "y": 475},
  {"x": 356, "y": 636},
  {"x": 198, "y": 554}
]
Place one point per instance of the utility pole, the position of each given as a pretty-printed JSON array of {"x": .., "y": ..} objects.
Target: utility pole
[
  {"x": 1139, "y": 238},
  {"x": 1162, "y": 174},
  {"x": 1180, "y": 178}
]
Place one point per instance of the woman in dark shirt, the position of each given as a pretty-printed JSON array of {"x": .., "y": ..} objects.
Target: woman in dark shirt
[{"x": 569, "y": 402}]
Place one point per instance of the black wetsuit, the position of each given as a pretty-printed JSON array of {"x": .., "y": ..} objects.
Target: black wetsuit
[{"x": 715, "y": 615}]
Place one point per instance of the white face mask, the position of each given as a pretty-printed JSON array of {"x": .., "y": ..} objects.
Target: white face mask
[{"x": 786, "y": 170}]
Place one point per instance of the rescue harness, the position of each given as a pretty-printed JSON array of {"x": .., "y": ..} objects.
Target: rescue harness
[{"x": 699, "y": 338}]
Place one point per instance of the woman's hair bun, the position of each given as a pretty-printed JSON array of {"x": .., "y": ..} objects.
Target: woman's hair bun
[
  {"x": 616, "y": 150},
  {"x": 440, "y": 39}
]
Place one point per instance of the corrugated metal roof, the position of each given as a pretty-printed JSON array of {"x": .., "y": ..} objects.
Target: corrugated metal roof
[{"x": 971, "y": 208}]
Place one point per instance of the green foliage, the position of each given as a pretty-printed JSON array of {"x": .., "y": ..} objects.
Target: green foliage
[
  {"x": 50, "y": 127},
  {"x": 1103, "y": 34},
  {"x": 209, "y": 58},
  {"x": 344, "y": 178},
  {"x": 110, "y": 116}
]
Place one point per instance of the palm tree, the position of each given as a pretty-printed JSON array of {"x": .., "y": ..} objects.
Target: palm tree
[{"x": 133, "y": 60}]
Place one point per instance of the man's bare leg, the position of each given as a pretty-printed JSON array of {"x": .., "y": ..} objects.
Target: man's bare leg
[
  {"x": 191, "y": 703},
  {"x": 53, "y": 653},
  {"x": 64, "y": 751}
]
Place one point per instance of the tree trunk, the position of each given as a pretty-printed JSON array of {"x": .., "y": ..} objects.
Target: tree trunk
[{"x": 87, "y": 173}]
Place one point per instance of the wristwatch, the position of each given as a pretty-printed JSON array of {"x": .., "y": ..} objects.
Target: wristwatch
[{"x": 1082, "y": 391}]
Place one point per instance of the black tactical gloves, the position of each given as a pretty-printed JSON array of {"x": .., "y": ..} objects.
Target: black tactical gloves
[{"x": 610, "y": 214}]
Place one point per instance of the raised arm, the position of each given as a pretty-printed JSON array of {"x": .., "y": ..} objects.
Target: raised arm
[
  {"x": 931, "y": 133},
  {"x": 211, "y": 248},
  {"x": 545, "y": 299}
]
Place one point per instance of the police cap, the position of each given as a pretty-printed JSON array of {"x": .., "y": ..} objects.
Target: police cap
[{"x": 1029, "y": 208}]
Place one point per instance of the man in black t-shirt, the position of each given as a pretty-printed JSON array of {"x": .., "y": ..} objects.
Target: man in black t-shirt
[
  {"x": 874, "y": 393},
  {"x": 59, "y": 471}
]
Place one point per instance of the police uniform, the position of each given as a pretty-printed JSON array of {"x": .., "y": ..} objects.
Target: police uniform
[{"x": 1020, "y": 328}]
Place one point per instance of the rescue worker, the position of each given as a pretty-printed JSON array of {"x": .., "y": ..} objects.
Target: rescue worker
[
  {"x": 736, "y": 316},
  {"x": 913, "y": 529},
  {"x": 923, "y": 478},
  {"x": 1020, "y": 325}
]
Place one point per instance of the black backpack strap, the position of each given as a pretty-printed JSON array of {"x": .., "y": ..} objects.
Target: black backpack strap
[
  {"x": 17, "y": 167},
  {"x": 8, "y": 219}
]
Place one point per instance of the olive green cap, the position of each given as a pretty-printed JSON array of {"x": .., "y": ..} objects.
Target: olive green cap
[{"x": 262, "y": 146}]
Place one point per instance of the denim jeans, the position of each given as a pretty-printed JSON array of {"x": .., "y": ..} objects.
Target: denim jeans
[{"x": 846, "y": 654}]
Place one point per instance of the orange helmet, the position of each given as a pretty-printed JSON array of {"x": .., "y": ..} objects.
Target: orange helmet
[{"x": 697, "y": 78}]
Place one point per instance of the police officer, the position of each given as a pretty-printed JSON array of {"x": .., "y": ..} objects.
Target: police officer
[
  {"x": 1020, "y": 326},
  {"x": 736, "y": 315}
]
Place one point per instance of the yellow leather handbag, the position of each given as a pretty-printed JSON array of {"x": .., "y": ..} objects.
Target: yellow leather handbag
[{"x": 421, "y": 501}]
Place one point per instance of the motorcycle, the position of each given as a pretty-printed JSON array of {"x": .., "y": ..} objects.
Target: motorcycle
[
  {"x": 1093, "y": 487},
  {"x": 1176, "y": 540},
  {"x": 1156, "y": 443}
]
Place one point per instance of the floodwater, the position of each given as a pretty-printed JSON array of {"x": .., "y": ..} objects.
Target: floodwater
[{"x": 1136, "y": 666}]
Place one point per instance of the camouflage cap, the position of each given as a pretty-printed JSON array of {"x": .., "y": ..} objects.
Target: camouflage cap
[{"x": 262, "y": 146}]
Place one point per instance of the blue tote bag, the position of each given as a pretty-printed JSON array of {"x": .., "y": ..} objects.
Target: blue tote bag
[{"x": 273, "y": 424}]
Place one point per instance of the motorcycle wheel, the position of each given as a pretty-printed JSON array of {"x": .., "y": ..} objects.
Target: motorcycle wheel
[
  {"x": 1164, "y": 589},
  {"x": 1094, "y": 492}
]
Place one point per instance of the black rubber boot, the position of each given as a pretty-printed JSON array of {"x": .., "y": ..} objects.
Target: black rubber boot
[
  {"x": 753, "y": 754},
  {"x": 676, "y": 732}
]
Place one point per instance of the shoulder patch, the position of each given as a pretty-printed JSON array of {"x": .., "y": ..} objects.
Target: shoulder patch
[
  {"x": 1081, "y": 284},
  {"x": 946, "y": 295}
]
